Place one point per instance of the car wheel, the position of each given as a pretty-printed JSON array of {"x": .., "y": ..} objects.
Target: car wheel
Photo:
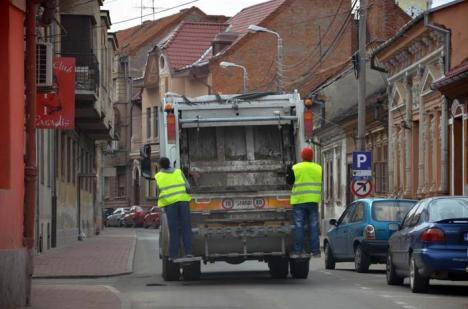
[
  {"x": 392, "y": 277},
  {"x": 192, "y": 272},
  {"x": 279, "y": 267},
  {"x": 418, "y": 283},
  {"x": 361, "y": 260},
  {"x": 299, "y": 268},
  {"x": 329, "y": 258},
  {"x": 170, "y": 270}
]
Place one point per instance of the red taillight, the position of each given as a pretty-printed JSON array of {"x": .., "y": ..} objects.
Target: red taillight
[
  {"x": 308, "y": 123},
  {"x": 171, "y": 129},
  {"x": 369, "y": 232},
  {"x": 432, "y": 235}
]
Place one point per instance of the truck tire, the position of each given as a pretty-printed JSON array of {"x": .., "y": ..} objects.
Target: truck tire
[
  {"x": 361, "y": 260},
  {"x": 170, "y": 270},
  {"x": 192, "y": 272},
  {"x": 279, "y": 268},
  {"x": 299, "y": 268}
]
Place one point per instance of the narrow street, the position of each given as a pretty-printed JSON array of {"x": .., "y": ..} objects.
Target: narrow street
[{"x": 249, "y": 285}]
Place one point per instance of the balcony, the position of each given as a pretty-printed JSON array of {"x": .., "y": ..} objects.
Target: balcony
[{"x": 87, "y": 76}]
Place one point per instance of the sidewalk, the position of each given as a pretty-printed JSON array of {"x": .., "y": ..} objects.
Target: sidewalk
[{"x": 109, "y": 254}]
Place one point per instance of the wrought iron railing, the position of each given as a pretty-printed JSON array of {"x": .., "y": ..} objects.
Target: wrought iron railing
[{"x": 87, "y": 72}]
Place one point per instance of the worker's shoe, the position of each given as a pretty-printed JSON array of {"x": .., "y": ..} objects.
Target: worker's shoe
[
  {"x": 294, "y": 255},
  {"x": 316, "y": 255}
]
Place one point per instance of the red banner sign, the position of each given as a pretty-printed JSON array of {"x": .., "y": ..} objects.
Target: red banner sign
[{"x": 56, "y": 109}]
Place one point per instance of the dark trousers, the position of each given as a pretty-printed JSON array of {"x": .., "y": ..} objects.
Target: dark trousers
[
  {"x": 178, "y": 219},
  {"x": 301, "y": 214}
]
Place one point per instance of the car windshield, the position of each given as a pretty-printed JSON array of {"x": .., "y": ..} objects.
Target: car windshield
[
  {"x": 448, "y": 208},
  {"x": 391, "y": 210}
]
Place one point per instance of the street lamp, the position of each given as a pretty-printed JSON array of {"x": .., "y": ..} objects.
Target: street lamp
[
  {"x": 279, "y": 54},
  {"x": 225, "y": 64}
]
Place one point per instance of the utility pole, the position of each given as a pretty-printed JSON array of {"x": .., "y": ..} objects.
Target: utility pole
[{"x": 361, "y": 138}]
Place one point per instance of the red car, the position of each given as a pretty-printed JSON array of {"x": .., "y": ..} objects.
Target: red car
[
  {"x": 135, "y": 217},
  {"x": 152, "y": 218}
]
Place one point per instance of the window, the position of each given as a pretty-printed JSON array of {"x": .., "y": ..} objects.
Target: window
[
  {"x": 338, "y": 178},
  {"x": 41, "y": 150},
  {"x": 148, "y": 122},
  {"x": 391, "y": 210},
  {"x": 381, "y": 170},
  {"x": 407, "y": 222},
  {"x": 69, "y": 158},
  {"x": 443, "y": 209},
  {"x": 358, "y": 214},
  {"x": 155, "y": 122},
  {"x": 63, "y": 155},
  {"x": 347, "y": 214}
]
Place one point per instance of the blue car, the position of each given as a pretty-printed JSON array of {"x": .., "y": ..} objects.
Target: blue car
[
  {"x": 361, "y": 233},
  {"x": 432, "y": 243}
]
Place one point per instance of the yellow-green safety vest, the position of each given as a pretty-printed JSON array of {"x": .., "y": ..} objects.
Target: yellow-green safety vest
[
  {"x": 308, "y": 183},
  {"x": 171, "y": 188}
]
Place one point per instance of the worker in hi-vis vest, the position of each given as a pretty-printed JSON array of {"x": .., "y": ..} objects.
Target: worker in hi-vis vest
[
  {"x": 306, "y": 193},
  {"x": 173, "y": 199}
]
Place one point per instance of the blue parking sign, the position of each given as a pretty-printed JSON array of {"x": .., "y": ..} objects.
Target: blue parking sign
[{"x": 362, "y": 160}]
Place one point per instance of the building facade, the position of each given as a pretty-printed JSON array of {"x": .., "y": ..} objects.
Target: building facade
[
  {"x": 420, "y": 149},
  {"x": 13, "y": 255}
]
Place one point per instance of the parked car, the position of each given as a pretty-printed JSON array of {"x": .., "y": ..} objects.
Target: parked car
[
  {"x": 115, "y": 219},
  {"x": 106, "y": 212},
  {"x": 432, "y": 243},
  {"x": 152, "y": 218},
  {"x": 361, "y": 233},
  {"x": 135, "y": 217}
]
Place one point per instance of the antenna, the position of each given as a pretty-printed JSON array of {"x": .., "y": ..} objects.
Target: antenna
[{"x": 151, "y": 7}]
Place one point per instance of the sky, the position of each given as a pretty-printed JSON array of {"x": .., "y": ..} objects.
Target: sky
[{"x": 121, "y": 10}]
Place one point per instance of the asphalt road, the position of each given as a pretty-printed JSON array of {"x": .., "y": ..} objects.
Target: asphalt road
[{"x": 249, "y": 285}]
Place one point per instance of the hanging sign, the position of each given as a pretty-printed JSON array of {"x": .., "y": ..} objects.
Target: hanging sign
[{"x": 56, "y": 109}]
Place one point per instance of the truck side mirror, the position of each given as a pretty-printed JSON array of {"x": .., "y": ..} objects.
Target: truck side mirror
[{"x": 146, "y": 162}]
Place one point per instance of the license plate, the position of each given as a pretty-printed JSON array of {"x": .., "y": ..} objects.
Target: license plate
[
  {"x": 251, "y": 203},
  {"x": 466, "y": 236}
]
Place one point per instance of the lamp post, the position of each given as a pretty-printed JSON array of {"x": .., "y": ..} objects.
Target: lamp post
[
  {"x": 225, "y": 64},
  {"x": 279, "y": 54}
]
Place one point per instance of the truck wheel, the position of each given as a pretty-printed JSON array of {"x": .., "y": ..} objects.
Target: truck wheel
[
  {"x": 170, "y": 270},
  {"x": 279, "y": 268},
  {"x": 192, "y": 272},
  {"x": 299, "y": 268},
  {"x": 329, "y": 259},
  {"x": 361, "y": 260}
]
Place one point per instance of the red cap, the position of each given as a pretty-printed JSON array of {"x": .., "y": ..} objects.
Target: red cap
[{"x": 307, "y": 154}]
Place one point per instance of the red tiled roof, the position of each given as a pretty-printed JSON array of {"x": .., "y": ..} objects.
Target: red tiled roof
[
  {"x": 132, "y": 39},
  {"x": 253, "y": 15},
  {"x": 190, "y": 41}
]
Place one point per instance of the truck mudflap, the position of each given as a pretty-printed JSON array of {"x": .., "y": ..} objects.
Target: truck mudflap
[{"x": 275, "y": 239}]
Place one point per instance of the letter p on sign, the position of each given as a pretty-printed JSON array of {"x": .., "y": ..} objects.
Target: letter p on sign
[{"x": 362, "y": 160}]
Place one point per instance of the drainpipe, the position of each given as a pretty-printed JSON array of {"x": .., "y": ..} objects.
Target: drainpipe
[
  {"x": 446, "y": 33},
  {"x": 444, "y": 116},
  {"x": 30, "y": 170}
]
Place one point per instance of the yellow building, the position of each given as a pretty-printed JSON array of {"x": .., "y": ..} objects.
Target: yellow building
[{"x": 412, "y": 7}]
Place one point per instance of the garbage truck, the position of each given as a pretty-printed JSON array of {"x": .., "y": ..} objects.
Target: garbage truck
[{"x": 236, "y": 151}]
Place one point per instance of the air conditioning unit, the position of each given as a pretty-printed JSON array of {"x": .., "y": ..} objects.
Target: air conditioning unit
[{"x": 44, "y": 73}]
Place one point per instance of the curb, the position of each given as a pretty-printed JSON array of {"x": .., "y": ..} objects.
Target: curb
[{"x": 124, "y": 302}]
